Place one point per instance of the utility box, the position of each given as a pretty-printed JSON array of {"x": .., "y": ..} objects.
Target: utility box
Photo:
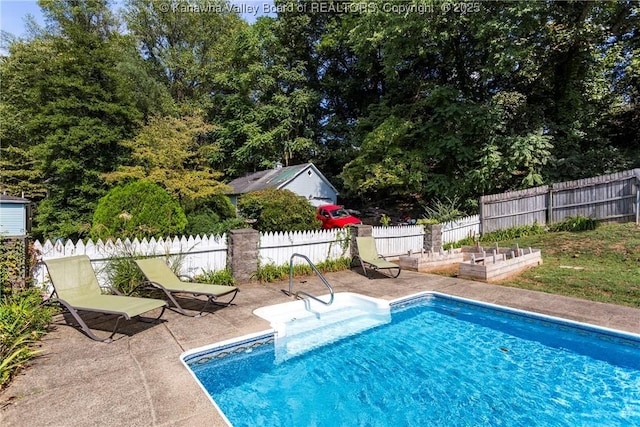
[{"x": 15, "y": 216}]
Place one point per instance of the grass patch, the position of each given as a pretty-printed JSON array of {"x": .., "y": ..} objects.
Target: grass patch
[
  {"x": 599, "y": 265},
  {"x": 275, "y": 273}
]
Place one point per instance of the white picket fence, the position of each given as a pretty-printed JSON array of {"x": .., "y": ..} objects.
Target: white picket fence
[
  {"x": 454, "y": 231},
  {"x": 399, "y": 240},
  {"x": 197, "y": 254},
  {"x": 318, "y": 245},
  {"x": 193, "y": 254}
]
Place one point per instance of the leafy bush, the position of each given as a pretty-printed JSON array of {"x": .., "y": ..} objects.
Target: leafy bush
[
  {"x": 23, "y": 320},
  {"x": 222, "y": 277},
  {"x": 278, "y": 210},
  {"x": 12, "y": 265},
  {"x": 443, "y": 210},
  {"x": 202, "y": 222},
  {"x": 138, "y": 209},
  {"x": 123, "y": 274},
  {"x": 209, "y": 223},
  {"x": 514, "y": 233},
  {"x": 577, "y": 223},
  {"x": 275, "y": 273},
  {"x": 213, "y": 215},
  {"x": 500, "y": 235}
]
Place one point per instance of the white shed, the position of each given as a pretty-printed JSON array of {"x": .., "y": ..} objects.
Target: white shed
[
  {"x": 14, "y": 216},
  {"x": 305, "y": 180}
]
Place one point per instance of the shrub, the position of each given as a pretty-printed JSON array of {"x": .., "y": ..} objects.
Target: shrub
[
  {"x": 443, "y": 210},
  {"x": 576, "y": 223},
  {"x": 209, "y": 223},
  {"x": 213, "y": 215},
  {"x": 12, "y": 265},
  {"x": 278, "y": 210},
  {"x": 202, "y": 222},
  {"x": 514, "y": 233},
  {"x": 138, "y": 209},
  {"x": 23, "y": 320},
  {"x": 222, "y": 277},
  {"x": 123, "y": 274},
  {"x": 275, "y": 273}
]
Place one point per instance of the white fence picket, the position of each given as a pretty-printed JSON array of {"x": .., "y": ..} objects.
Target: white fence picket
[
  {"x": 318, "y": 245},
  {"x": 399, "y": 240},
  {"x": 209, "y": 253},
  {"x": 194, "y": 255},
  {"x": 454, "y": 231}
]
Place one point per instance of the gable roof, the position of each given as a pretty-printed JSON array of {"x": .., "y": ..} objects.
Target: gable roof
[
  {"x": 5, "y": 198},
  {"x": 272, "y": 178}
]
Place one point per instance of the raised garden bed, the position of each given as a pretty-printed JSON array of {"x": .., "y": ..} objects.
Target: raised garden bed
[
  {"x": 498, "y": 263},
  {"x": 429, "y": 261},
  {"x": 488, "y": 264}
]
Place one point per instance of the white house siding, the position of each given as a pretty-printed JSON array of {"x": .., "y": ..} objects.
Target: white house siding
[{"x": 310, "y": 186}]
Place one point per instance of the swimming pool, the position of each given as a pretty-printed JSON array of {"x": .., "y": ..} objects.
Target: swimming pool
[{"x": 439, "y": 361}]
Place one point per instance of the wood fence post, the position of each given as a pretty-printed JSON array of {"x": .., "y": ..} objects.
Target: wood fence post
[
  {"x": 481, "y": 215},
  {"x": 550, "y": 206}
]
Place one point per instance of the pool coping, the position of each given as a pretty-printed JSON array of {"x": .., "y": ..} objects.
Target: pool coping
[{"x": 223, "y": 348}]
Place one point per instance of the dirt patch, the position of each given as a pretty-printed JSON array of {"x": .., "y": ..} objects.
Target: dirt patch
[{"x": 448, "y": 270}]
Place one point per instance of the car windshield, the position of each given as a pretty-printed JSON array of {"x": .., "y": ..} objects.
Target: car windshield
[{"x": 339, "y": 213}]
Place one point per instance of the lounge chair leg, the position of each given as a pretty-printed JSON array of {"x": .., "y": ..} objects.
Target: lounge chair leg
[
  {"x": 178, "y": 308},
  {"x": 224, "y": 304},
  {"x": 153, "y": 320},
  {"x": 364, "y": 270},
  {"x": 84, "y": 326}
]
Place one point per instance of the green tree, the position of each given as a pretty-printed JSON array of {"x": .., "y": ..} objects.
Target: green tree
[
  {"x": 138, "y": 209},
  {"x": 507, "y": 96},
  {"x": 182, "y": 48},
  {"x": 173, "y": 152},
  {"x": 278, "y": 210},
  {"x": 74, "y": 107},
  {"x": 265, "y": 113}
]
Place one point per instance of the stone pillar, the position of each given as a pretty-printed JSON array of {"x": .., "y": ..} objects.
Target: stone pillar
[
  {"x": 359, "y": 231},
  {"x": 242, "y": 253},
  {"x": 433, "y": 238}
]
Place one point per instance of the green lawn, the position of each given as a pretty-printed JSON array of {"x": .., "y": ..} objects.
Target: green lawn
[{"x": 599, "y": 265}]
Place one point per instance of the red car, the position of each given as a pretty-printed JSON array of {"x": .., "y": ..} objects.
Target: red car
[{"x": 334, "y": 216}]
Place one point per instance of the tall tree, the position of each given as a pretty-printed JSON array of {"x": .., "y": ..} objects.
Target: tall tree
[
  {"x": 173, "y": 153},
  {"x": 265, "y": 111},
  {"x": 508, "y": 95},
  {"x": 75, "y": 106},
  {"x": 184, "y": 43}
]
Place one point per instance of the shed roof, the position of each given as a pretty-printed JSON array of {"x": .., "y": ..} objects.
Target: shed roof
[
  {"x": 5, "y": 198},
  {"x": 272, "y": 178}
]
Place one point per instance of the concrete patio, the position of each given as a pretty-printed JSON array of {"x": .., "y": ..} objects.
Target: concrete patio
[{"x": 138, "y": 380}]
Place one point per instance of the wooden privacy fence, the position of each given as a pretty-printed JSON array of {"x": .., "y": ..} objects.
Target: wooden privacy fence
[{"x": 613, "y": 197}]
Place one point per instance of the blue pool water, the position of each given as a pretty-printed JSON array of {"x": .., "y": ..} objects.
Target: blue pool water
[{"x": 440, "y": 361}]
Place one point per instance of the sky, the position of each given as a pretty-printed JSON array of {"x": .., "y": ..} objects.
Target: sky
[{"x": 14, "y": 12}]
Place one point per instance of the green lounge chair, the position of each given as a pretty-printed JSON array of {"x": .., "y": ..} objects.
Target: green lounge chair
[
  {"x": 76, "y": 288},
  {"x": 369, "y": 258},
  {"x": 159, "y": 275}
]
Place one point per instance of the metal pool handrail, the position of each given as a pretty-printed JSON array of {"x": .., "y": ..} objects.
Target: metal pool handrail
[{"x": 322, "y": 278}]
